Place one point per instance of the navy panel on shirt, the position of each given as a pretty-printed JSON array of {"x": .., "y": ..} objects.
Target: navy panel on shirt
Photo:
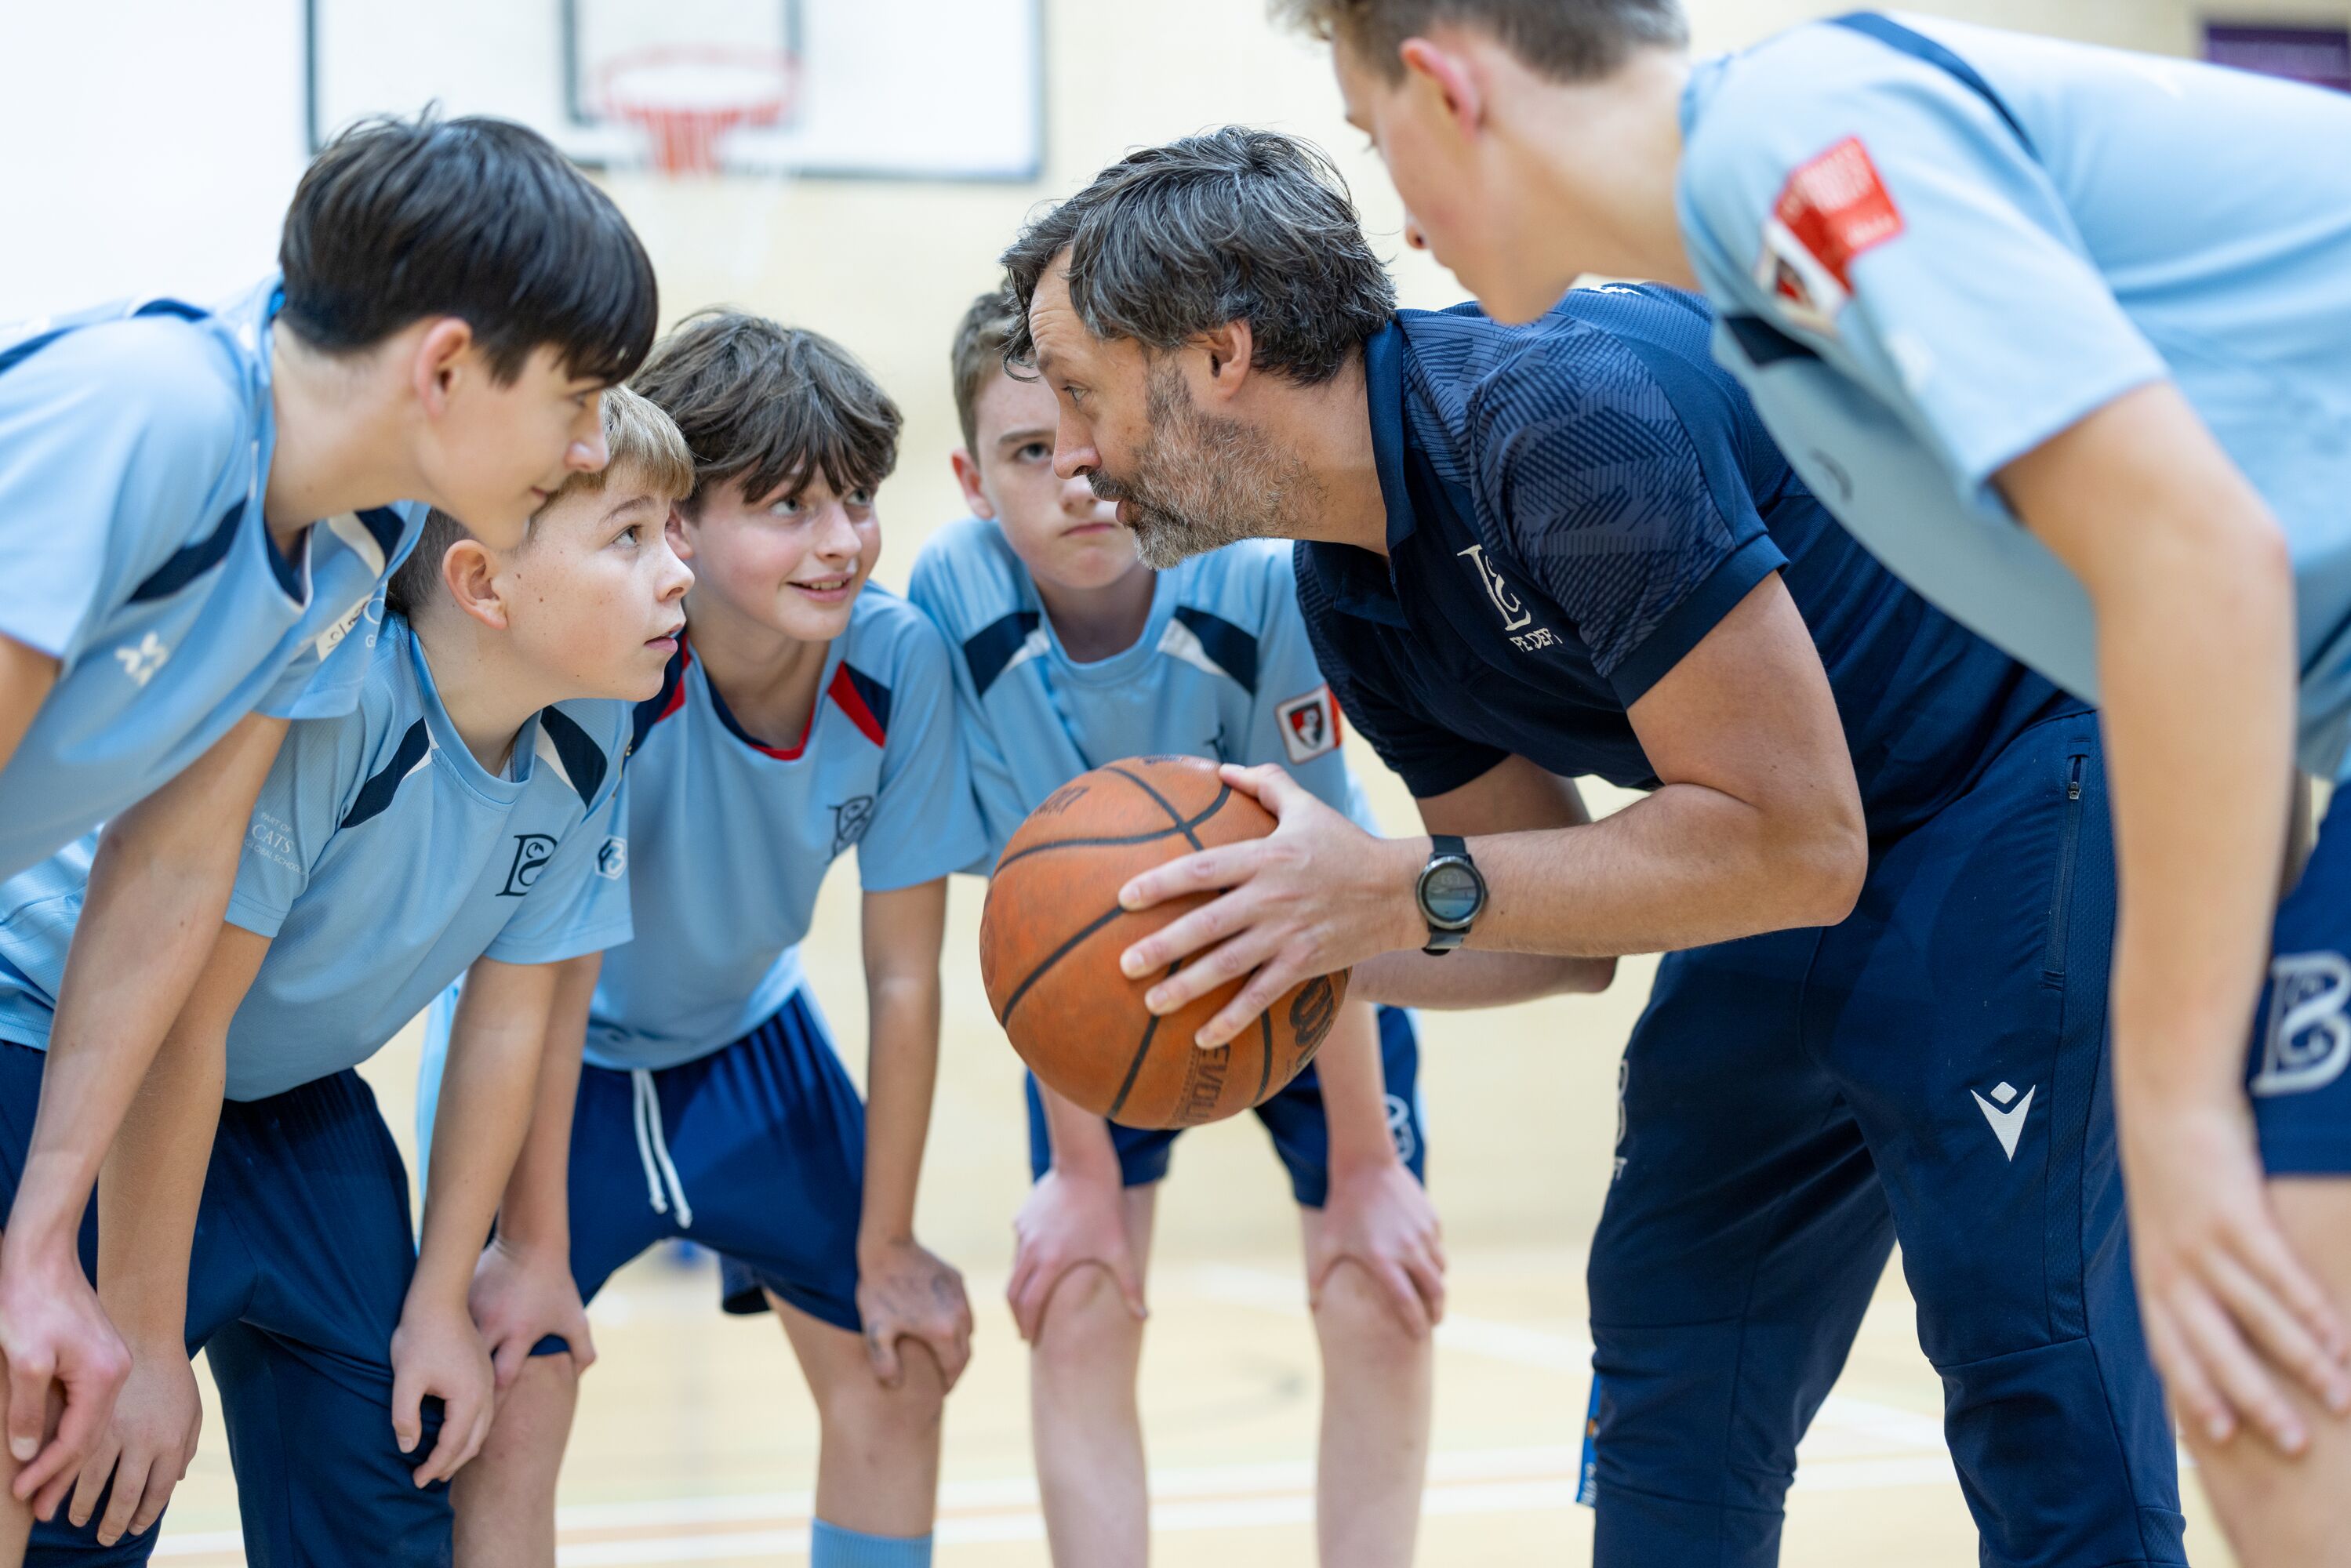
[{"x": 1573, "y": 505}]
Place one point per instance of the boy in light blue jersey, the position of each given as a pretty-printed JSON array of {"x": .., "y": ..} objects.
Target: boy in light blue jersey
[
  {"x": 463, "y": 810},
  {"x": 1073, "y": 653},
  {"x": 809, "y": 712},
  {"x": 1974, "y": 280},
  {"x": 197, "y": 506}
]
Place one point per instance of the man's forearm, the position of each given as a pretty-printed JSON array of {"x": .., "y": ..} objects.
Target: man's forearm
[
  {"x": 900, "y": 1076},
  {"x": 153, "y": 1184},
  {"x": 1684, "y": 866},
  {"x": 488, "y": 1090},
  {"x": 158, "y": 888}
]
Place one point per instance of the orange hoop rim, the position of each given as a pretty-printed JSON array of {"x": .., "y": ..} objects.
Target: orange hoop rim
[{"x": 684, "y": 137}]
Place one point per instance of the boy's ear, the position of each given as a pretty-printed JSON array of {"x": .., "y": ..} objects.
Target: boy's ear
[
  {"x": 470, "y": 572},
  {"x": 966, "y": 473},
  {"x": 1450, "y": 77},
  {"x": 440, "y": 361},
  {"x": 679, "y": 534},
  {"x": 1231, "y": 350}
]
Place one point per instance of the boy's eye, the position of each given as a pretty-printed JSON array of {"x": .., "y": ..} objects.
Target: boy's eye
[
  {"x": 1035, "y": 452},
  {"x": 789, "y": 506},
  {"x": 860, "y": 497}
]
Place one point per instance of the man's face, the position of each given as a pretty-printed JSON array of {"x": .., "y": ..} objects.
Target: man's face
[
  {"x": 495, "y": 453},
  {"x": 1462, "y": 204},
  {"x": 1065, "y": 534},
  {"x": 1185, "y": 480},
  {"x": 791, "y": 561},
  {"x": 596, "y": 596}
]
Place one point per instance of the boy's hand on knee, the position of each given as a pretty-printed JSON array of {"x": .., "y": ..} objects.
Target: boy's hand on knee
[
  {"x": 58, "y": 1345},
  {"x": 1377, "y": 1216},
  {"x": 1068, "y": 1220},
  {"x": 906, "y": 1292},
  {"x": 438, "y": 1354},
  {"x": 519, "y": 1297},
  {"x": 146, "y": 1448}
]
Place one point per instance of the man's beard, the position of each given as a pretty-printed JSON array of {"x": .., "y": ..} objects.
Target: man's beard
[{"x": 1202, "y": 482}]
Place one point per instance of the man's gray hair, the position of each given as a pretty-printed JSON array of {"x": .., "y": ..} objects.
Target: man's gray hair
[
  {"x": 1566, "y": 40},
  {"x": 1229, "y": 225}
]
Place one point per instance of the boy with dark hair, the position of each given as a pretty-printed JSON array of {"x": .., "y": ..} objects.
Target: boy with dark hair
[
  {"x": 1975, "y": 280},
  {"x": 460, "y": 812},
  {"x": 1872, "y": 848},
  {"x": 1075, "y": 654},
  {"x": 806, "y": 713},
  {"x": 196, "y": 508}
]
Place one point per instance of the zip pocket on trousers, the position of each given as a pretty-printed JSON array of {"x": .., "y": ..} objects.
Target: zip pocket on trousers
[{"x": 2061, "y": 900}]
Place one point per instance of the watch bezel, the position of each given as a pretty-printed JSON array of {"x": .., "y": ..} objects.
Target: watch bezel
[{"x": 1477, "y": 881}]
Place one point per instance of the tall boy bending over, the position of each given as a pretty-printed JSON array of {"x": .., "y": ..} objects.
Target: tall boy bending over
[
  {"x": 195, "y": 507},
  {"x": 807, "y": 714},
  {"x": 459, "y": 812}
]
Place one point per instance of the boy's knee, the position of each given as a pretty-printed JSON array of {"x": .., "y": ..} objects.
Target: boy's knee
[
  {"x": 1354, "y": 1315},
  {"x": 1086, "y": 1321},
  {"x": 871, "y": 1411}
]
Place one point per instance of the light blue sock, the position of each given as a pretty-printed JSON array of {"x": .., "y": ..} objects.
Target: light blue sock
[{"x": 830, "y": 1546}]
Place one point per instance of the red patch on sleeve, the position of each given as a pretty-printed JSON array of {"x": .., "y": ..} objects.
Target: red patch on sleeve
[{"x": 1836, "y": 207}]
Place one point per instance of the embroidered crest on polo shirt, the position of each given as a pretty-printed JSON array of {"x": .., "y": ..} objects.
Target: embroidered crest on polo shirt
[{"x": 1832, "y": 210}]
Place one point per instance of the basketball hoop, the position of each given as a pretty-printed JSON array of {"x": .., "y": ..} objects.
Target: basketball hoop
[{"x": 684, "y": 97}]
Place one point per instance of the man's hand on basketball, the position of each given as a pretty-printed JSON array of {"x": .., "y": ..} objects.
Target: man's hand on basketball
[
  {"x": 2228, "y": 1306},
  {"x": 146, "y": 1446},
  {"x": 1069, "y": 1221},
  {"x": 1378, "y": 1217},
  {"x": 58, "y": 1345},
  {"x": 1316, "y": 895},
  {"x": 906, "y": 1292},
  {"x": 437, "y": 1352},
  {"x": 520, "y": 1295}
]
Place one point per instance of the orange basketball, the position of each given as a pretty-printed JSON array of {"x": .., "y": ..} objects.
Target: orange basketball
[{"x": 1050, "y": 942}]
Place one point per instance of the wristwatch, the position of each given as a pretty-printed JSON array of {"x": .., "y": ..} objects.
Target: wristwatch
[{"x": 1450, "y": 892}]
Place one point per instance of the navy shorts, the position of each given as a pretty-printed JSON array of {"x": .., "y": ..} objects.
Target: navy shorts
[
  {"x": 302, "y": 1257},
  {"x": 756, "y": 1151},
  {"x": 1294, "y": 1119},
  {"x": 1933, "y": 1069},
  {"x": 2302, "y": 1041}
]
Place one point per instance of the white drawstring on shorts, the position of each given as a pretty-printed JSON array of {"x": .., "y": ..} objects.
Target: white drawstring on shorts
[{"x": 654, "y": 1150}]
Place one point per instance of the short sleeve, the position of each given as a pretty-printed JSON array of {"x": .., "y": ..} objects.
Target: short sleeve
[
  {"x": 111, "y": 440},
  {"x": 1897, "y": 220},
  {"x": 1293, "y": 717},
  {"x": 1430, "y": 759},
  {"x": 580, "y": 905},
  {"x": 926, "y": 819},
  {"x": 1593, "y": 473},
  {"x": 301, "y": 806},
  {"x": 995, "y": 790}
]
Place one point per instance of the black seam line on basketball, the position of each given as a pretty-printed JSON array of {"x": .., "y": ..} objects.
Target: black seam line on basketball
[
  {"x": 1167, "y": 806},
  {"x": 1142, "y": 1051},
  {"x": 1265, "y": 1057},
  {"x": 1184, "y": 827},
  {"x": 1055, "y": 956}
]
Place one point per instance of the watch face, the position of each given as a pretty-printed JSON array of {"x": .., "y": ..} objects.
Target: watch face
[{"x": 1451, "y": 892}]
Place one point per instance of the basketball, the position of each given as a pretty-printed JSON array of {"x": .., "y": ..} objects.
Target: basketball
[{"x": 1052, "y": 932}]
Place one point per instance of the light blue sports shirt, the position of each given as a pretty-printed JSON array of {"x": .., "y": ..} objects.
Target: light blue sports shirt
[
  {"x": 381, "y": 860},
  {"x": 729, "y": 837},
  {"x": 1223, "y": 669},
  {"x": 135, "y": 441},
  {"x": 1934, "y": 246}
]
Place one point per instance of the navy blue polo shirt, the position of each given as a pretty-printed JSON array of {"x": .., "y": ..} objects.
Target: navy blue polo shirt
[{"x": 1572, "y": 506}]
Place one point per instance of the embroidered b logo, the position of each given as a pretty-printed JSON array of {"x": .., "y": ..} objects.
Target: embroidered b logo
[{"x": 2309, "y": 1040}]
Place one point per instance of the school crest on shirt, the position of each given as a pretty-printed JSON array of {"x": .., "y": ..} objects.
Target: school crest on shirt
[
  {"x": 1832, "y": 210},
  {"x": 531, "y": 853},
  {"x": 1310, "y": 725},
  {"x": 850, "y": 817}
]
